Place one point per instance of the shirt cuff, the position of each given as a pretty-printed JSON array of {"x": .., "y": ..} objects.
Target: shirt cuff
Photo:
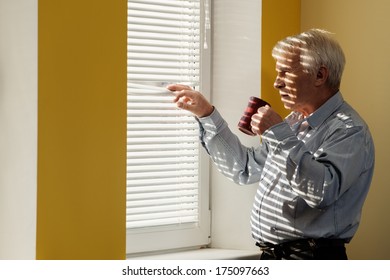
[{"x": 212, "y": 123}]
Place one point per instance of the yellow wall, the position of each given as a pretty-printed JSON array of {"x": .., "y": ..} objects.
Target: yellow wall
[
  {"x": 362, "y": 27},
  {"x": 81, "y": 129},
  {"x": 279, "y": 19}
]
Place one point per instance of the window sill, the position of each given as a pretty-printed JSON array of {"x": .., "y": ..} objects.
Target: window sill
[{"x": 202, "y": 254}]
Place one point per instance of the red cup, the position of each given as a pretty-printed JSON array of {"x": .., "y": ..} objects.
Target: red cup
[{"x": 253, "y": 105}]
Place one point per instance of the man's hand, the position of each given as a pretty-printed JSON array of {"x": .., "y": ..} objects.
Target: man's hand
[
  {"x": 191, "y": 100},
  {"x": 264, "y": 119}
]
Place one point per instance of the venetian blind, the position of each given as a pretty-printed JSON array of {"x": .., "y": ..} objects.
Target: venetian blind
[{"x": 162, "y": 141}]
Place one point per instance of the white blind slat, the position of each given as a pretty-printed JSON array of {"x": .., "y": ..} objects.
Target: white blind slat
[
  {"x": 164, "y": 37},
  {"x": 162, "y": 29},
  {"x": 174, "y": 3},
  {"x": 161, "y": 126},
  {"x": 148, "y": 189},
  {"x": 181, "y": 7},
  {"x": 162, "y": 71},
  {"x": 162, "y": 201},
  {"x": 161, "y": 208},
  {"x": 160, "y": 154},
  {"x": 161, "y": 174},
  {"x": 159, "y": 181},
  {"x": 185, "y": 58},
  {"x": 158, "y": 22},
  {"x": 153, "y": 119},
  {"x": 164, "y": 50},
  {"x": 156, "y": 147},
  {"x": 163, "y": 194},
  {"x": 166, "y": 167},
  {"x": 160, "y": 64},
  {"x": 153, "y": 137},
  {"x": 143, "y": 14},
  {"x": 162, "y": 161}
]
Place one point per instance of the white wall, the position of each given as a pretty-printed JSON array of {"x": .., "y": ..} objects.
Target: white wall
[
  {"x": 236, "y": 47},
  {"x": 18, "y": 128}
]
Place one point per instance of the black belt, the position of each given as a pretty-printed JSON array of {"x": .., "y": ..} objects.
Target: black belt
[{"x": 300, "y": 248}]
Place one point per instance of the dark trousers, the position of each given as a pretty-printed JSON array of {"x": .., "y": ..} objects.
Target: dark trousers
[{"x": 308, "y": 249}]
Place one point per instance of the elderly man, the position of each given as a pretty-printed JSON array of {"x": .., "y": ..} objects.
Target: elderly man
[{"x": 314, "y": 167}]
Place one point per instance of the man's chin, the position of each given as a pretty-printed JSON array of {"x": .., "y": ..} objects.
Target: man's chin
[{"x": 288, "y": 105}]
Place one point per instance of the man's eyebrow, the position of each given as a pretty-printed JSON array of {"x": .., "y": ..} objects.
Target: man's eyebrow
[{"x": 283, "y": 68}]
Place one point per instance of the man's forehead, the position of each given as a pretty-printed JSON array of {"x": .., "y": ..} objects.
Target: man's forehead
[{"x": 287, "y": 60}]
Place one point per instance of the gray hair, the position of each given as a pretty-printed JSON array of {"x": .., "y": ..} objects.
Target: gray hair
[{"x": 316, "y": 49}]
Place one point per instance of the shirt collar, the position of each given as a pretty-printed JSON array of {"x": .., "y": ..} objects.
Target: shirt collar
[{"x": 320, "y": 115}]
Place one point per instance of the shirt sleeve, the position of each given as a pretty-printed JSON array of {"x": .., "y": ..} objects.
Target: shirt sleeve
[{"x": 237, "y": 162}]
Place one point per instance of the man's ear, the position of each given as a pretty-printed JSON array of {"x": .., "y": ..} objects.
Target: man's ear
[{"x": 322, "y": 76}]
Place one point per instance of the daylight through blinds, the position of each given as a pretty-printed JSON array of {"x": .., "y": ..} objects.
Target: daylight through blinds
[{"x": 162, "y": 141}]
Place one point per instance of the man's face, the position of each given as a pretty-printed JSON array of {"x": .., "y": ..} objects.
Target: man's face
[{"x": 296, "y": 86}]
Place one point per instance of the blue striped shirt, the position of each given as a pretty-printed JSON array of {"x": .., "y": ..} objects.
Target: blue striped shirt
[{"x": 314, "y": 173}]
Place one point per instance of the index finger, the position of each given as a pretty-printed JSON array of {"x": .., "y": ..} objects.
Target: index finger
[{"x": 177, "y": 87}]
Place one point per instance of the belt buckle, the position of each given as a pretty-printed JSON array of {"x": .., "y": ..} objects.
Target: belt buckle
[{"x": 312, "y": 243}]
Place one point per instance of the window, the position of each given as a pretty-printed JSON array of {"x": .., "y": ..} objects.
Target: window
[{"x": 167, "y": 171}]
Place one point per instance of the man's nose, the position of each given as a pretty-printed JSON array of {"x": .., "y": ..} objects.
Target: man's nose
[{"x": 278, "y": 84}]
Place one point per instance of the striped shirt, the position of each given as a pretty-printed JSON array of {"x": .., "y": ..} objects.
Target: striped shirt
[{"x": 314, "y": 173}]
